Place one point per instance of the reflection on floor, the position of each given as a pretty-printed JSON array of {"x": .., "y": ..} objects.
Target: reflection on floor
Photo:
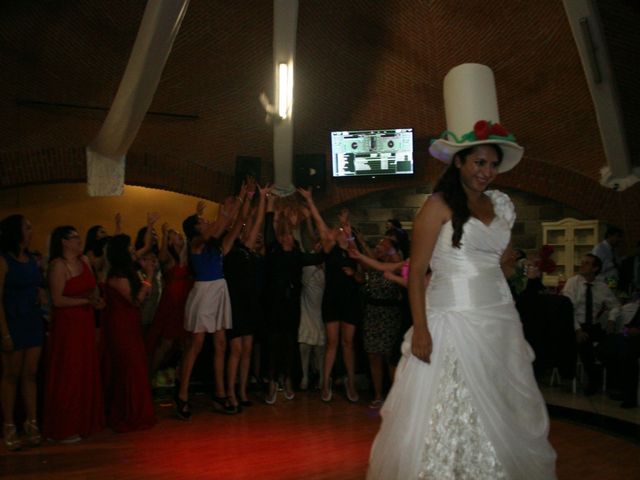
[{"x": 599, "y": 404}]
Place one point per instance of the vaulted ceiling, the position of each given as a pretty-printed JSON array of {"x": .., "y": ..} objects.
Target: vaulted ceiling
[{"x": 360, "y": 64}]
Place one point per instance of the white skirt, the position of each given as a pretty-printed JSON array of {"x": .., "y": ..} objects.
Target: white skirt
[{"x": 208, "y": 307}]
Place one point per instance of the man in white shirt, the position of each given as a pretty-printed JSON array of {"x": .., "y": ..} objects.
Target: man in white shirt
[
  {"x": 591, "y": 298},
  {"x": 606, "y": 251}
]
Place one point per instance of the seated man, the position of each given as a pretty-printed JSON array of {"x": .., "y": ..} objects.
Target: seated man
[
  {"x": 624, "y": 350},
  {"x": 590, "y": 298}
]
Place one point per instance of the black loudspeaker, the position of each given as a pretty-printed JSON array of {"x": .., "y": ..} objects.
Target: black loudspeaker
[
  {"x": 309, "y": 170},
  {"x": 246, "y": 166}
]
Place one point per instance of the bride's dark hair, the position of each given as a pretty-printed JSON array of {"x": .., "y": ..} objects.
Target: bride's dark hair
[{"x": 454, "y": 195}]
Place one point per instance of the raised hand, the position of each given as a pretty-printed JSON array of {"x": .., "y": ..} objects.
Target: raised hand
[
  {"x": 343, "y": 216},
  {"x": 266, "y": 190},
  {"x": 165, "y": 228},
  {"x": 200, "y": 208},
  {"x": 152, "y": 218},
  {"x": 306, "y": 194}
]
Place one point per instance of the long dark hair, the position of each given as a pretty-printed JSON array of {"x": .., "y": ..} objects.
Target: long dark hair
[
  {"x": 11, "y": 234},
  {"x": 121, "y": 263},
  {"x": 90, "y": 240},
  {"x": 450, "y": 185},
  {"x": 140, "y": 241},
  {"x": 55, "y": 244}
]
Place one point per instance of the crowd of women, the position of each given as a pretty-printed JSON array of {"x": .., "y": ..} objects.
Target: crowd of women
[{"x": 268, "y": 270}]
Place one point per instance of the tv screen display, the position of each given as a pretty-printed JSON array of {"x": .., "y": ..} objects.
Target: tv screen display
[{"x": 371, "y": 153}]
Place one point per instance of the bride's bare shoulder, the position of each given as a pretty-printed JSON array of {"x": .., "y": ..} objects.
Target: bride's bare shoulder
[{"x": 435, "y": 207}]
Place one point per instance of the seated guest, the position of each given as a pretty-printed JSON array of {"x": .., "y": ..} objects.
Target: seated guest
[
  {"x": 624, "y": 348},
  {"x": 607, "y": 252},
  {"x": 548, "y": 324},
  {"x": 590, "y": 298}
]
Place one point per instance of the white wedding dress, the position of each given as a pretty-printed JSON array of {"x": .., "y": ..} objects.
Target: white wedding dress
[{"x": 475, "y": 412}]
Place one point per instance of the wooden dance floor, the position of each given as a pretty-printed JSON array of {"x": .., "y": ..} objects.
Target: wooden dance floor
[{"x": 299, "y": 439}]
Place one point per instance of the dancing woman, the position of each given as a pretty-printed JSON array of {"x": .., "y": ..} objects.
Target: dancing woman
[
  {"x": 208, "y": 307},
  {"x": 465, "y": 403},
  {"x": 240, "y": 273},
  {"x": 341, "y": 310}
]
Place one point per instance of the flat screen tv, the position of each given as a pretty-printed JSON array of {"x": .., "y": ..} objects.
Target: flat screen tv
[{"x": 369, "y": 153}]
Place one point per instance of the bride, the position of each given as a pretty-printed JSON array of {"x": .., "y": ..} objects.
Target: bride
[{"x": 465, "y": 404}]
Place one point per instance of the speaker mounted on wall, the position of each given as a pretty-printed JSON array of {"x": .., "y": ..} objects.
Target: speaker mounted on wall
[
  {"x": 309, "y": 170},
  {"x": 246, "y": 167}
]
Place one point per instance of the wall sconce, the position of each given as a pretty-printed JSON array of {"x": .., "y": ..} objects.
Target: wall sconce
[{"x": 285, "y": 89}]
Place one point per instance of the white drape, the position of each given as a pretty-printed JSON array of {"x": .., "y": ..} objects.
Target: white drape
[{"x": 106, "y": 153}]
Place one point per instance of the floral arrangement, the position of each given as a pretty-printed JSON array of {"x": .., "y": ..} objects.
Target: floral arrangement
[{"x": 482, "y": 130}]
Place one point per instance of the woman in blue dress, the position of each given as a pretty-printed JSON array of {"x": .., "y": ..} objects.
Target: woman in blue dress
[{"x": 21, "y": 327}]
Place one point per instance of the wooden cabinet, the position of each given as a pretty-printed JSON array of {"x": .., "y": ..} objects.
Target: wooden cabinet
[{"x": 571, "y": 240}]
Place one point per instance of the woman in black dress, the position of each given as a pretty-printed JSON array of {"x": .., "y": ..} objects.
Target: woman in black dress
[
  {"x": 341, "y": 308},
  {"x": 240, "y": 273}
]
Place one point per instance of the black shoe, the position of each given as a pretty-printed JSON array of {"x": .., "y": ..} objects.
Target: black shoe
[
  {"x": 627, "y": 404},
  {"x": 182, "y": 409},
  {"x": 222, "y": 405}
]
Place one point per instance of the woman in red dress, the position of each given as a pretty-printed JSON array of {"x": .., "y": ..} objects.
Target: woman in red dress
[
  {"x": 73, "y": 401},
  {"x": 168, "y": 324},
  {"x": 128, "y": 396}
]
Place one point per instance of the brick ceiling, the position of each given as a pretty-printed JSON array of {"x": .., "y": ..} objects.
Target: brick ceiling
[{"x": 360, "y": 64}]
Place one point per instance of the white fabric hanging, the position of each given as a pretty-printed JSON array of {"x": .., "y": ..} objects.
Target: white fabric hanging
[{"x": 106, "y": 153}]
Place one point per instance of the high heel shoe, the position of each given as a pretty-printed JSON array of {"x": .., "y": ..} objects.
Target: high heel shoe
[
  {"x": 10, "y": 435},
  {"x": 222, "y": 405},
  {"x": 182, "y": 408},
  {"x": 289, "y": 392},
  {"x": 272, "y": 394},
  {"x": 33, "y": 433},
  {"x": 327, "y": 398},
  {"x": 352, "y": 394}
]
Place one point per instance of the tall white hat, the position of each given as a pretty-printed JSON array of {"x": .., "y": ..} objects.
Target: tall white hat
[{"x": 471, "y": 109}]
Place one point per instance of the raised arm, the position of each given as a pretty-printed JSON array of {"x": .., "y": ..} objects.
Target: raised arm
[
  {"x": 426, "y": 228},
  {"x": 164, "y": 255},
  {"x": 152, "y": 218},
  {"x": 240, "y": 210},
  {"x": 258, "y": 222},
  {"x": 323, "y": 230},
  {"x": 118, "y": 224}
]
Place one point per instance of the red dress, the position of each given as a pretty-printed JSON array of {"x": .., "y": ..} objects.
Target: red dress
[
  {"x": 168, "y": 322},
  {"x": 128, "y": 394},
  {"x": 73, "y": 400}
]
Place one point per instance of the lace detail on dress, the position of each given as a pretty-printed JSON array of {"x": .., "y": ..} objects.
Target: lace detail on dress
[
  {"x": 503, "y": 206},
  {"x": 456, "y": 446}
]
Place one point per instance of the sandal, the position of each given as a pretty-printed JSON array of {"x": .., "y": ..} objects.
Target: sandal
[
  {"x": 352, "y": 395},
  {"x": 329, "y": 395},
  {"x": 11, "y": 440},
  {"x": 32, "y": 432},
  {"x": 270, "y": 399}
]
